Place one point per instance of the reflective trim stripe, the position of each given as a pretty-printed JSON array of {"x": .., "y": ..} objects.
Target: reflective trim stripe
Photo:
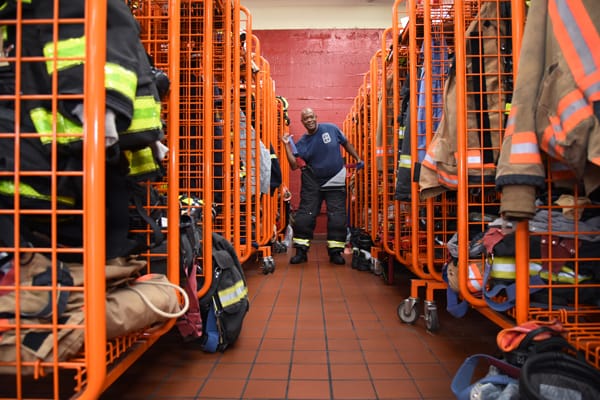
[
  {"x": 120, "y": 80},
  {"x": 66, "y": 130},
  {"x": 475, "y": 281},
  {"x": 429, "y": 162},
  {"x": 405, "y": 161},
  {"x": 9, "y": 188},
  {"x": 141, "y": 161},
  {"x": 233, "y": 294},
  {"x": 550, "y": 138},
  {"x": 473, "y": 159},
  {"x": 401, "y": 131},
  {"x": 379, "y": 151},
  {"x": 273, "y": 156},
  {"x": 510, "y": 122},
  {"x": 573, "y": 109},
  {"x": 71, "y": 53},
  {"x": 334, "y": 244},
  {"x": 579, "y": 41},
  {"x": 524, "y": 148},
  {"x": 565, "y": 275},
  {"x": 447, "y": 179},
  {"x": 301, "y": 242},
  {"x": 504, "y": 268},
  {"x": 146, "y": 115}
]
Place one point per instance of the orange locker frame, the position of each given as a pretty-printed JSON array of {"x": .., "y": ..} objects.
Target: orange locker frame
[{"x": 89, "y": 366}]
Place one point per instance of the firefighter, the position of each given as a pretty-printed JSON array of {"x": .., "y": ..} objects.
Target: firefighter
[{"x": 323, "y": 179}]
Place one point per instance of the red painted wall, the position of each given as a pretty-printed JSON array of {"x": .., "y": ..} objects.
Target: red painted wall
[{"x": 321, "y": 69}]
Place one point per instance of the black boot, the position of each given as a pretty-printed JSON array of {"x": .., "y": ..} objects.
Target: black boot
[
  {"x": 301, "y": 255},
  {"x": 335, "y": 256}
]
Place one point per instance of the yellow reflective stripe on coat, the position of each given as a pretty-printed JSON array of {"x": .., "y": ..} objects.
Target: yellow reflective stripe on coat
[
  {"x": 565, "y": 275},
  {"x": 5, "y": 4},
  {"x": 405, "y": 161},
  {"x": 504, "y": 268},
  {"x": 67, "y": 131},
  {"x": 69, "y": 53},
  {"x": 141, "y": 161},
  {"x": 121, "y": 80},
  {"x": 146, "y": 115},
  {"x": 233, "y": 294},
  {"x": 9, "y": 188}
]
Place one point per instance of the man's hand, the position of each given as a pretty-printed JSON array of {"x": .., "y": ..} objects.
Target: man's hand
[{"x": 286, "y": 138}]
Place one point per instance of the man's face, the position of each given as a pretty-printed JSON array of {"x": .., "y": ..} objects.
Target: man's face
[{"x": 309, "y": 120}]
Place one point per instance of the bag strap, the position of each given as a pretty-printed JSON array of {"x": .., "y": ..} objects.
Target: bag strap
[
  {"x": 157, "y": 235},
  {"x": 455, "y": 307},
  {"x": 148, "y": 302},
  {"x": 461, "y": 383}
]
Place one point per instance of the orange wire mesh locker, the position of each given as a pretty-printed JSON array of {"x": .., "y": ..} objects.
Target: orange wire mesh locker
[
  {"x": 390, "y": 135},
  {"x": 219, "y": 116},
  {"x": 484, "y": 84},
  {"x": 56, "y": 207},
  {"x": 423, "y": 34},
  {"x": 364, "y": 203},
  {"x": 264, "y": 121},
  {"x": 556, "y": 251}
]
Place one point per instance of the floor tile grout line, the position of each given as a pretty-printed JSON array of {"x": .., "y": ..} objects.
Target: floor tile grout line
[
  {"x": 349, "y": 310},
  {"x": 329, "y": 372},
  {"x": 265, "y": 329}
]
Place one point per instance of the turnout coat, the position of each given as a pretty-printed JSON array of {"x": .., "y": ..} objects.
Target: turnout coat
[{"x": 553, "y": 124}]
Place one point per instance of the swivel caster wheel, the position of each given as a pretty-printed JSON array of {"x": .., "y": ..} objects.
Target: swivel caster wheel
[
  {"x": 432, "y": 321},
  {"x": 268, "y": 266},
  {"x": 408, "y": 310}
]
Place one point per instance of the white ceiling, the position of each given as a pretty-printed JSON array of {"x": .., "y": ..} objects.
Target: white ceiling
[{"x": 319, "y": 14}]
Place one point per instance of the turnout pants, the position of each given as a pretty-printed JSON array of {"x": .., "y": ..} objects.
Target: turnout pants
[{"x": 305, "y": 218}]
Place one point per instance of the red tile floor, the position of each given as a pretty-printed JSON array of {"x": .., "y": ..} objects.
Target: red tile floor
[{"x": 316, "y": 331}]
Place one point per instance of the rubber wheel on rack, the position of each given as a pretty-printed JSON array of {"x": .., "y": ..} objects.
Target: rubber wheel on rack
[
  {"x": 407, "y": 313},
  {"x": 432, "y": 321},
  {"x": 268, "y": 266}
]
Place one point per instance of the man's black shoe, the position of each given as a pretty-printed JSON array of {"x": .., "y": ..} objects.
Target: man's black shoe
[
  {"x": 300, "y": 256},
  {"x": 337, "y": 258}
]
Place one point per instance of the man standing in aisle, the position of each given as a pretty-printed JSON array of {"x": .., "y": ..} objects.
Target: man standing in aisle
[{"x": 318, "y": 155}]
